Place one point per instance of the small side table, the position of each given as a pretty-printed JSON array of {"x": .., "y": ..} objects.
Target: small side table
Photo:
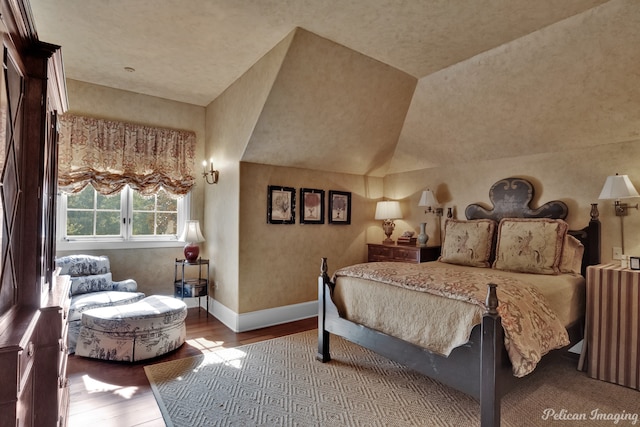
[
  {"x": 612, "y": 332},
  {"x": 191, "y": 287}
]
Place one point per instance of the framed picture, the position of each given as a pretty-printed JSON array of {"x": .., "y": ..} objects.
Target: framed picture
[
  {"x": 311, "y": 206},
  {"x": 339, "y": 207},
  {"x": 634, "y": 263},
  {"x": 281, "y": 205}
]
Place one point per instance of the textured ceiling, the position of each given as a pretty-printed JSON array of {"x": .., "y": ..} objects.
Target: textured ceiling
[{"x": 496, "y": 78}]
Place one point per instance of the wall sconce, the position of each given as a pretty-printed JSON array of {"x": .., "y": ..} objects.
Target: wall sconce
[
  {"x": 428, "y": 200},
  {"x": 211, "y": 175},
  {"x": 618, "y": 187},
  {"x": 388, "y": 211}
]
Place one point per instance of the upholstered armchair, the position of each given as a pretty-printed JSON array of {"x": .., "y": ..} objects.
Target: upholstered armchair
[{"x": 92, "y": 286}]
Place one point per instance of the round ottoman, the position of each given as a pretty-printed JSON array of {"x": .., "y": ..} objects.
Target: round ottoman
[{"x": 141, "y": 330}]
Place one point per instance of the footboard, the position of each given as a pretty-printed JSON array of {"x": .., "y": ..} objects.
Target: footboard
[{"x": 479, "y": 368}]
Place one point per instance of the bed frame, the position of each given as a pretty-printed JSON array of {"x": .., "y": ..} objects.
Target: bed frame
[{"x": 481, "y": 367}]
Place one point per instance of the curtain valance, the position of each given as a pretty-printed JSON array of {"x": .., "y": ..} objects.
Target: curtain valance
[{"x": 110, "y": 154}]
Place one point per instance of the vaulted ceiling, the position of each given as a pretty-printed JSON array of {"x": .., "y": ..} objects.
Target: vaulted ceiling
[{"x": 426, "y": 82}]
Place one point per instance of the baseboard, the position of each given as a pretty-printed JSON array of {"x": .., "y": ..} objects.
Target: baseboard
[{"x": 262, "y": 318}]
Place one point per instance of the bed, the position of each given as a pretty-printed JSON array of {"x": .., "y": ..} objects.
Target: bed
[{"x": 502, "y": 251}]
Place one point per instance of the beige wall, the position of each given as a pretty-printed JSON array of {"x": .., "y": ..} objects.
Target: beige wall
[
  {"x": 280, "y": 263},
  {"x": 575, "y": 177},
  {"x": 152, "y": 268}
]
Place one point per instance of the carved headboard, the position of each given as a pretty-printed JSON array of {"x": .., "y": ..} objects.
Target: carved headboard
[{"x": 511, "y": 198}]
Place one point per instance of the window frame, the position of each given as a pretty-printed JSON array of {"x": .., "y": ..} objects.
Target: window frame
[{"x": 125, "y": 240}]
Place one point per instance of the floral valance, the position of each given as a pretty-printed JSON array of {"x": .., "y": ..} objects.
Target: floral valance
[{"x": 110, "y": 154}]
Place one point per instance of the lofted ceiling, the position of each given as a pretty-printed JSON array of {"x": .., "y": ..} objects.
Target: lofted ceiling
[{"x": 493, "y": 78}]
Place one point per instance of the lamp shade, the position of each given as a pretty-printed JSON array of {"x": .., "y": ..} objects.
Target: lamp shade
[
  {"x": 388, "y": 210},
  {"x": 618, "y": 187},
  {"x": 428, "y": 199},
  {"x": 191, "y": 232}
]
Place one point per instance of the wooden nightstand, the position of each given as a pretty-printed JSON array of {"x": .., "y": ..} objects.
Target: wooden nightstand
[
  {"x": 402, "y": 253},
  {"x": 612, "y": 333}
]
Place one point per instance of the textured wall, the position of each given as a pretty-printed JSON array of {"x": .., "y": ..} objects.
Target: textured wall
[
  {"x": 230, "y": 119},
  {"x": 280, "y": 263}
]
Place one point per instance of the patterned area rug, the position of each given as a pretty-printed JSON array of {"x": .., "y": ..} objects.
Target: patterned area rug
[{"x": 280, "y": 383}]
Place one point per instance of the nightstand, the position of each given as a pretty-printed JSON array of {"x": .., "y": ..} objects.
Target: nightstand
[
  {"x": 612, "y": 333},
  {"x": 402, "y": 253}
]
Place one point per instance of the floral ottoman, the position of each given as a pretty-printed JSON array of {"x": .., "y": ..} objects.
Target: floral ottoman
[{"x": 141, "y": 330}]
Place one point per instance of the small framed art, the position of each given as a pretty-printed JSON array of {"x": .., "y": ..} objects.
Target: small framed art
[
  {"x": 634, "y": 263},
  {"x": 311, "y": 206},
  {"x": 339, "y": 207},
  {"x": 281, "y": 205}
]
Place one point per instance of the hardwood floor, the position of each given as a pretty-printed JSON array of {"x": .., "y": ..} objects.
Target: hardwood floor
[{"x": 105, "y": 394}]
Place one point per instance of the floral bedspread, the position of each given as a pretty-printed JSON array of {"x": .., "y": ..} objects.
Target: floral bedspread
[{"x": 531, "y": 328}]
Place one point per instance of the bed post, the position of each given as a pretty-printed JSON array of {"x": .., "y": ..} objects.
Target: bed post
[
  {"x": 490, "y": 361},
  {"x": 323, "y": 336}
]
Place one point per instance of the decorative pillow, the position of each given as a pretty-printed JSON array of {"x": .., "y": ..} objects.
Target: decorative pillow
[
  {"x": 83, "y": 265},
  {"x": 530, "y": 245},
  {"x": 468, "y": 242},
  {"x": 571, "y": 258},
  {"x": 93, "y": 283}
]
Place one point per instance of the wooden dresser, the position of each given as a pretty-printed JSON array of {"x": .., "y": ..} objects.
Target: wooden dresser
[
  {"x": 51, "y": 386},
  {"x": 402, "y": 253},
  {"x": 34, "y": 302}
]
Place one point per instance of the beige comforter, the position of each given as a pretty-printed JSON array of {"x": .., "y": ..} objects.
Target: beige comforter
[{"x": 449, "y": 303}]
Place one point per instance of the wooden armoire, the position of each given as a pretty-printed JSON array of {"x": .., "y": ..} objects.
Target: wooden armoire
[{"x": 34, "y": 301}]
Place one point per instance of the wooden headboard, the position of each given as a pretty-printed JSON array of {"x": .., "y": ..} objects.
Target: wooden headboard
[{"x": 511, "y": 198}]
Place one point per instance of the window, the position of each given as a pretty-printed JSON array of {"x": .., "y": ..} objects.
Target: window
[{"x": 89, "y": 220}]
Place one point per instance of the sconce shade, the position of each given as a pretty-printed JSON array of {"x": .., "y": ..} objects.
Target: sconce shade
[
  {"x": 428, "y": 199},
  {"x": 388, "y": 210},
  {"x": 618, "y": 187},
  {"x": 192, "y": 235}
]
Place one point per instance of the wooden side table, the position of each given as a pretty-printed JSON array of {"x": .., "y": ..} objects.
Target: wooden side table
[
  {"x": 402, "y": 253},
  {"x": 611, "y": 349}
]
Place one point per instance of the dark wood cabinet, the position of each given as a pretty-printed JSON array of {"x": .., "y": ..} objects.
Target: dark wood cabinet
[
  {"x": 402, "y": 253},
  {"x": 33, "y": 300}
]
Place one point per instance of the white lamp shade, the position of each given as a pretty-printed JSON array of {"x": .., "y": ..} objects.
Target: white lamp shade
[
  {"x": 428, "y": 199},
  {"x": 388, "y": 210},
  {"x": 618, "y": 187},
  {"x": 191, "y": 232}
]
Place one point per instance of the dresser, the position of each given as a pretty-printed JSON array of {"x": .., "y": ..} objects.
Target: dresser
[
  {"x": 612, "y": 336},
  {"x": 51, "y": 386},
  {"x": 34, "y": 302},
  {"x": 402, "y": 253}
]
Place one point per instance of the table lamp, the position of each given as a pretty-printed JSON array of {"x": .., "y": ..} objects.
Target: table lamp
[
  {"x": 192, "y": 235},
  {"x": 387, "y": 211}
]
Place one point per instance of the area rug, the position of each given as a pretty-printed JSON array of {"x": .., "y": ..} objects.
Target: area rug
[{"x": 280, "y": 383}]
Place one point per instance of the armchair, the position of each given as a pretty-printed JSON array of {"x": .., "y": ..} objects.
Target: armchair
[{"x": 92, "y": 286}]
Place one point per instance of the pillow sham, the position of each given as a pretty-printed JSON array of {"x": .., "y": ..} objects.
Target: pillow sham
[
  {"x": 571, "y": 258},
  {"x": 530, "y": 245},
  {"x": 468, "y": 242}
]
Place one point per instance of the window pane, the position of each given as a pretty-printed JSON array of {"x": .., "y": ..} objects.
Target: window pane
[
  {"x": 167, "y": 223},
  {"x": 143, "y": 203},
  {"x": 79, "y": 223},
  {"x": 81, "y": 200},
  {"x": 108, "y": 202},
  {"x": 166, "y": 203},
  {"x": 143, "y": 223},
  {"x": 107, "y": 223}
]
